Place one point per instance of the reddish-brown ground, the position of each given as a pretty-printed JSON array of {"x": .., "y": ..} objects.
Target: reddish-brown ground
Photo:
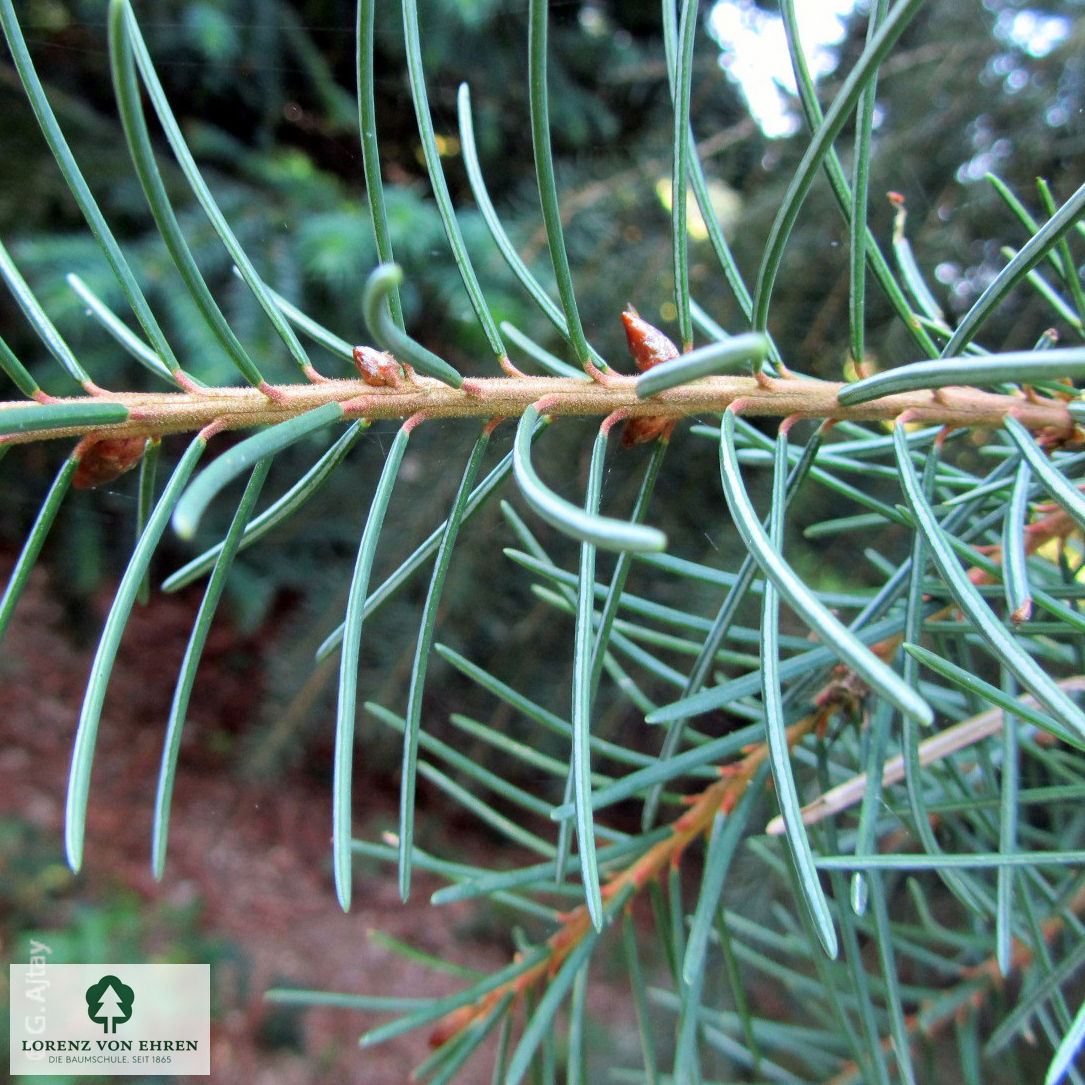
[{"x": 254, "y": 859}]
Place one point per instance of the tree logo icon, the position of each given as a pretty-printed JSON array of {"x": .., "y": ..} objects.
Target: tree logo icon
[{"x": 109, "y": 1002}]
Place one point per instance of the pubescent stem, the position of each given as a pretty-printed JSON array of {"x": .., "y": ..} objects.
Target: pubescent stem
[{"x": 160, "y": 414}]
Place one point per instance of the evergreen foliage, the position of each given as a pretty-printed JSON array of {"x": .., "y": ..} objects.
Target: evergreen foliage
[{"x": 817, "y": 788}]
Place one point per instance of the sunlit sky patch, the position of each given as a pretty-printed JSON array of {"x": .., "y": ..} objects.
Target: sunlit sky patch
[
  {"x": 754, "y": 48},
  {"x": 754, "y": 54}
]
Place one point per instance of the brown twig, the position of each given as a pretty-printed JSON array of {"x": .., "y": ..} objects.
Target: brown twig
[{"x": 160, "y": 414}]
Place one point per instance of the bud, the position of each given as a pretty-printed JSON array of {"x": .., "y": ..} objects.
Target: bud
[
  {"x": 103, "y": 461},
  {"x": 649, "y": 346},
  {"x": 638, "y": 431},
  {"x": 377, "y": 367}
]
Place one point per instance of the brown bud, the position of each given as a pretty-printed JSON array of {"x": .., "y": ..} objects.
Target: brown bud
[
  {"x": 649, "y": 346},
  {"x": 103, "y": 461},
  {"x": 377, "y": 367},
  {"x": 638, "y": 431}
]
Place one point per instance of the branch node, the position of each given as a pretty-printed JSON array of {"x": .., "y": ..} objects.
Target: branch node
[
  {"x": 943, "y": 436},
  {"x": 186, "y": 383},
  {"x": 613, "y": 419},
  {"x": 211, "y": 429},
  {"x": 541, "y": 405},
  {"x": 276, "y": 395},
  {"x": 606, "y": 377},
  {"x": 509, "y": 369},
  {"x": 1022, "y": 613}
]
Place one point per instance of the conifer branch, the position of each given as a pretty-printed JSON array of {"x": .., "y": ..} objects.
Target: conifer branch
[
  {"x": 842, "y": 694},
  {"x": 719, "y": 797},
  {"x": 161, "y": 414}
]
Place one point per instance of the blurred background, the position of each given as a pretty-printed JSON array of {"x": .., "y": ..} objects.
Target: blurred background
[{"x": 264, "y": 90}]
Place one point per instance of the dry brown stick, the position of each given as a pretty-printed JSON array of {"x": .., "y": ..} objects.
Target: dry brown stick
[{"x": 958, "y": 737}]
